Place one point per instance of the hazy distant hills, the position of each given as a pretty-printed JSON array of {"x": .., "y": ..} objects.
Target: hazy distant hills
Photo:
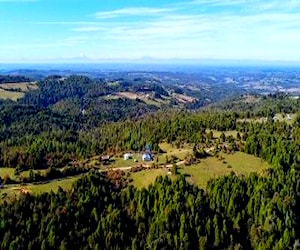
[{"x": 113, "y": 95}]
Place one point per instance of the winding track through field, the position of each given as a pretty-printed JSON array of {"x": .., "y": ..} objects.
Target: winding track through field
[{"x": 143, "y": 165}]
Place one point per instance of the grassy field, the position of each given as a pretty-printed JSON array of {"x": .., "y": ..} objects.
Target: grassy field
[
  {"x": 239, "y": 162},
  {"x": 7, "y": 171},
  {"x": 258, "y": 120},
  {"x": 145, "y": 178},
  {"x": 217, "y": 134},
  {"x": 154, "y": 102},
  {"x": 208, "y": 168},
  {"x": 170, "y": 150},
  {"x": 14, "y": 191},
  {"x": 184, "y": 98},
  {"x": 160, "y": 159},
  {"x": 120, "y": 162},
  {"x": 285, "y": 118},
  {"x": 11, "y": 172},
  {"x": 22, "y": 86},
  {"x": 26, "y": 173},
  {"x": 15, "y": 91},
  {"x": 142, "y": 96},
  {"x": 12, "y": 95},
  {"x": 288, "y": 118},
  {"x": 65, "y": 184}
]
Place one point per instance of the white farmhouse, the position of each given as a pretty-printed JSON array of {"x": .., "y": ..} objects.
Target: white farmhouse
[{"x": 127, "y": 156}]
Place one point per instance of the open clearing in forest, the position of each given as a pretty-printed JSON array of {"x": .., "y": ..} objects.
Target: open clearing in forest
[
  {"x": 7, "y": 172},
  {"x": 120, "y": 162},
  {"x": 150, "y": 99},
  {"x": 15, "y": 91},
  {"x": 12, "y": 95},
  {"x": 184, "y": 98},
  {"x": 144, "y": 178},
  {"x": 21, "y": 86},
  {"x": 170, "y": 150},
  {"x": 211, "y": 167},
  {"x": 288, "y": 118},
  {"x": 217, "y": 134},
  {"x": 197, "y": 174},
  {"x": 14, "y": 191},
  {"x": 11, "y": 172},
  {"x": 134, "y": 96},
  {"x": 65, "y": 184}
]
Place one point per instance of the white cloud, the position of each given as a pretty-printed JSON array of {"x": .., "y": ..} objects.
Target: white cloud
[
  {"x": 88, "y": 29},
  {"x": 254, "y": 35},
  {"x": 218, "y": 2},
  {"x": 195, "y": 29},
  {"x": 134, "y": 11}
]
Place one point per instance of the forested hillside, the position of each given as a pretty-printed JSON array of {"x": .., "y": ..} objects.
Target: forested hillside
[
  {"x": 63, "y": 127},
  {"x": 233, "y": 213},
  {"x": 13, "y": 79}
]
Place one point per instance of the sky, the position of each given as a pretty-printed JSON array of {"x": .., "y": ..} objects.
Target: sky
[{"x": 98, "y": 30}]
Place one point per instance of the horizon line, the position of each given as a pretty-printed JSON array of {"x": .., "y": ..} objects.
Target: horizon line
[{"x": 145, "y": 60}]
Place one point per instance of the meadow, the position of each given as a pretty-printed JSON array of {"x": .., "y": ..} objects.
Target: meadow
[
  {"x": 210, "y": 167},
  {"x": 15, "y": 91},
  {"x": 10, "y": 192}
]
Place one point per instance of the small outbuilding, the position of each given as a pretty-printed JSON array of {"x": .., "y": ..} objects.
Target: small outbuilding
[
  {"x": 105, "y": 159},
  {"x": 127, "y": 156}
]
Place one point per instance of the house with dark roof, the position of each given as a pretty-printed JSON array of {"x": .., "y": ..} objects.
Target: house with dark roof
[{"x": 147, "y": 156}]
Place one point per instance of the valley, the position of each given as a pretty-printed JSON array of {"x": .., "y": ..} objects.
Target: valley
[{"x": 138, "y": 147}]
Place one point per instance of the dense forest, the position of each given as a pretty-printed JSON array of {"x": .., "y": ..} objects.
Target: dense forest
[
  {"x": 47, "y": 129},
  {"x": 233, "y": 213},
  {"x": 13, "y": 79}
]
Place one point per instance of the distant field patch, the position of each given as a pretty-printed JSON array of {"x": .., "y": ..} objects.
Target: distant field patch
[
  {"x": 111, "y": 97},
  {"x": 12, "y": 95},
  {"x": 288, "y": 118},
  {"x": 129, "y": 95},
  {"x": 217, "y": 134},
  {"x": 258, "y": 120},
  {"x": 22, "y": 86},
  {"x": 134, "y": 96},
  {"x": 9, "y": 192},
  {"x": 251, "y": 99},
  {"x": 184, "y": 98},
  {"x": 114, "y": 84},
  {"x": 15, "y": 91},
  {"x": 11, "y": 173}
]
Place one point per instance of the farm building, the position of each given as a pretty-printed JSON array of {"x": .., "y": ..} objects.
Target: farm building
[
  {"x": 105, "y": 159},
  {"x": 127, "y": 156},
  {"x": 147, "y": 157}
]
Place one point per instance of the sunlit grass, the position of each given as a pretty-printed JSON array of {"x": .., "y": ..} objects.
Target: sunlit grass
[{"x": 211, "y": 167}]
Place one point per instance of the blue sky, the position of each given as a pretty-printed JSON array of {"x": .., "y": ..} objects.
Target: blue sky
[{"x": 95, "y": 30}]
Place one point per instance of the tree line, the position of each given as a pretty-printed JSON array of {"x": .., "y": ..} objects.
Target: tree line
[{"x": 235, "y": 212}]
